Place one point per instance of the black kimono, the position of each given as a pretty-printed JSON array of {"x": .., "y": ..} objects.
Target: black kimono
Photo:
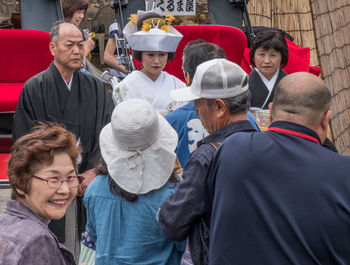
[
  {"x": 84, "y": 110},
  {"x": 259, "y": 90}
]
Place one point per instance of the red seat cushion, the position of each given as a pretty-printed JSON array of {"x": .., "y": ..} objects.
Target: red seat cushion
[
  {"x": 315, "y": 70},
  {"x": 3, "y": 166},
  {"x": 24, "y": 53},
  {"x": 9, "y": 96}
]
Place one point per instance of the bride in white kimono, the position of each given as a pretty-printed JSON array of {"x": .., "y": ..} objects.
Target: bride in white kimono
[{"x": 153, "y": 42}]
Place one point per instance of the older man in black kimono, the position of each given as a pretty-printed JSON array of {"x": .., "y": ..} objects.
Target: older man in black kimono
[{"x": 64, "y": 94}]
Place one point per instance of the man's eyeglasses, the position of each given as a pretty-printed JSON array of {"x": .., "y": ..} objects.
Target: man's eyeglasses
[{"x": 56, "y": 182}]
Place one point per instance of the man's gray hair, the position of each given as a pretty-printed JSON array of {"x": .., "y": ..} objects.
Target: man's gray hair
[
  {"x": 197, "y": 52},
  {"x": 236, "y": 104},
  {"x": 55, "y": 30}
]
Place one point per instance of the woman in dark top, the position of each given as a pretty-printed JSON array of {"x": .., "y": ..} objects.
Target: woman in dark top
[{"x": 269, "y": 53}]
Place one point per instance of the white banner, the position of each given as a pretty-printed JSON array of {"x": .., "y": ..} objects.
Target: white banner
[{"x": 177, "y": 7}]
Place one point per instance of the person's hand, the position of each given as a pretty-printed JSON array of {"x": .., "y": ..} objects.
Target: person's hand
[
  {"x": 88, "y": 175},
  {"x": 89, "y": 45}
]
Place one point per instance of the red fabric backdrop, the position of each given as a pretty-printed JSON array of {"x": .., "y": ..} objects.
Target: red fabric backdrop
[{"x": 23, "y": 54}]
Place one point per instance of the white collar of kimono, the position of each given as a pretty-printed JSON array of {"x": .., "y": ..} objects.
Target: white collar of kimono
[
  {"x": 139, "y": 85},
  {"x": 69, "y": 86},
  {"x": 268, "y": 83}
]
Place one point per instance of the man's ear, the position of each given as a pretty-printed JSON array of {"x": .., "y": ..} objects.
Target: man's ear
[
  {"x": 188, "y": 79},
  {"x": 270, "y": 110},
  {"x": 322, "y": 129},
  {"x": 220, "y": 107},
  {"x": 325, "y": 120},
  {"x": 52, "y": 47}
]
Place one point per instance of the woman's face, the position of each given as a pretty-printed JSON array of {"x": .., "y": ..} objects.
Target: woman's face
[
  {"x": 51, "y": 203},
  {"x": 153, "y": 63},
  {"x": 267, "y": 61},
  {"x": 78, "y": 17}
]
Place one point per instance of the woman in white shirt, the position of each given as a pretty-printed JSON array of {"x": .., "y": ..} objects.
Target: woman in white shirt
[
  {"x": 269, "y": 54},
  {"x": 153, "y": 42}
]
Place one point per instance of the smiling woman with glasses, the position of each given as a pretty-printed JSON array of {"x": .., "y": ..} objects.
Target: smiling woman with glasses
[
  {"x": 57, "y": 182},
  {"x": 42, "y": 171}
]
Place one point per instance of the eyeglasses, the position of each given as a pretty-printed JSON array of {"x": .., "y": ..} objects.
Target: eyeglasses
[{"x": 56, "y": 182}]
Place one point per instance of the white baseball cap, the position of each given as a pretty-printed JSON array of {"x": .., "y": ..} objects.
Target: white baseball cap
[{"x": 217, "y": 78}]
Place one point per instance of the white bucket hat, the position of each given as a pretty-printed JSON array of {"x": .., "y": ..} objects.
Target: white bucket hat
[
  {"x": 138, "y": 147},
  {"x": 217, "y": 78},
  {"x": 154, "y": 39}
]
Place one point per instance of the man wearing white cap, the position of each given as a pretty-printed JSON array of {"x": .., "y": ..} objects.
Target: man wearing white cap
[
  {"x": 184, "y": 119},
  {"x": 221, "y": 96}
]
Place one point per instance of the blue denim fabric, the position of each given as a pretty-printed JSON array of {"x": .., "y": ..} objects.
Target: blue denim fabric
[{"x": 128, "y": 232}]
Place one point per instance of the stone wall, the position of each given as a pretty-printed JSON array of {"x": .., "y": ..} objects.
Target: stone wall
[
  {"x": 332, "y": 27},
  {"x": 324, "y": 26}
]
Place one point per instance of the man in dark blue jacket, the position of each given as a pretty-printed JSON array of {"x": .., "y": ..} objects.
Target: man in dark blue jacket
[
  {"x": 279, "y": 197},
  {"x": 221, "y": 96}
]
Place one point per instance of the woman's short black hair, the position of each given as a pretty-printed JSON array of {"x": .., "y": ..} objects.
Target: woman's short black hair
[
  {"x": 270, "y": 39},
  {"x": 138, "y": 55}
]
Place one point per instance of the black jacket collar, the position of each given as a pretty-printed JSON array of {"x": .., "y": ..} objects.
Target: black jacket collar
[{"x": 224, "y": 132}]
